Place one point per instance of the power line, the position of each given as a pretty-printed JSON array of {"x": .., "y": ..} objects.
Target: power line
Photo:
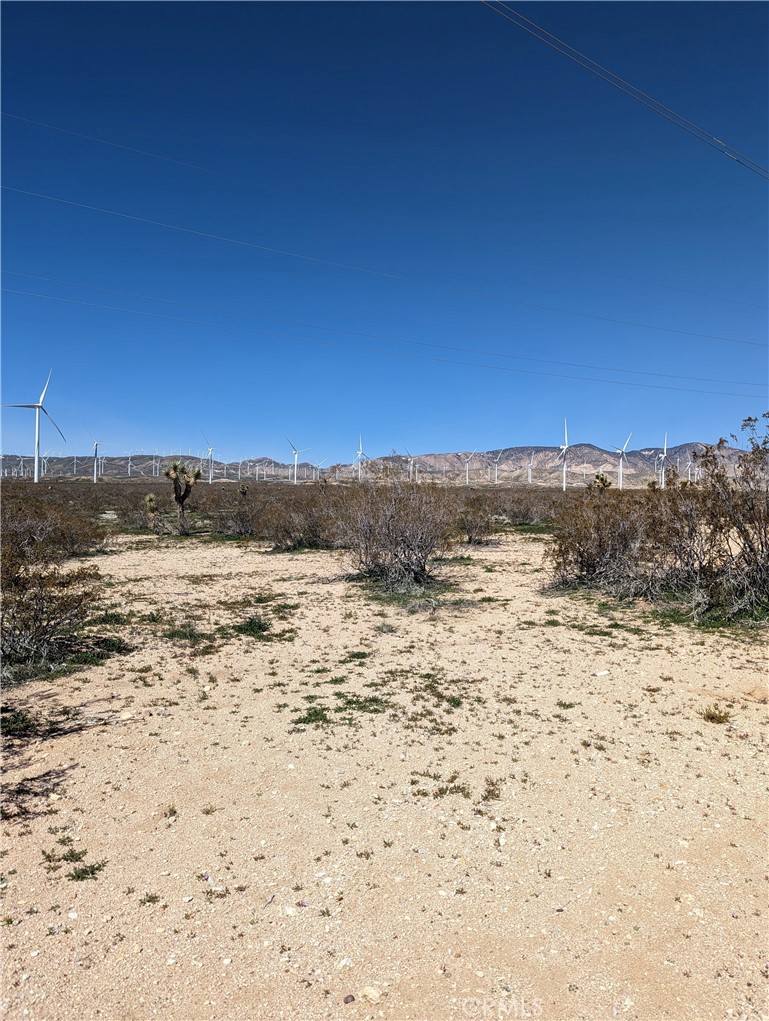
[
  {"x": 358, "y": 333},
  {"x": 145, "y": 152},
  {"x": 629, "y": 90},
  {"x": 235, "y": 177},
  {"x": 396, "y": 354},
  {"x": 374, "y": 272}
]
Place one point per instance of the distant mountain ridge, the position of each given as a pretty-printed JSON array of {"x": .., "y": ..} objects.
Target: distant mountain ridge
[{"x": 506, "y": 464}]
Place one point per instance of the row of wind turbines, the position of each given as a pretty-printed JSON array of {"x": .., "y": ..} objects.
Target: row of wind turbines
[{"x": 359, "y": 458}]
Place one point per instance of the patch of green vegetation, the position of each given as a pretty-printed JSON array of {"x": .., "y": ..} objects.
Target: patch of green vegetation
[
  {"x": 97, "y": 650},
  {"x": 254, "y": 627},
  {"x": 187, "y": 631},
  {"x": 18, "y": 723},
  {"x": 82, "y": 872},
  {"x": 538, "y": 528},
  {"x": 113, "y": 618},
  {"x": 314, "y": 714},
  {"x": 350, "y": 702},
  {"x": 356, "y": 656}
]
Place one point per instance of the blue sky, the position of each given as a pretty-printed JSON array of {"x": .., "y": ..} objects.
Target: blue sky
[{"x": 488, "y": 204}]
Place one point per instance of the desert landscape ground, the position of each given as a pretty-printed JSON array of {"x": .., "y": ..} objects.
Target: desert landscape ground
[{"x": 494, "y": 800}]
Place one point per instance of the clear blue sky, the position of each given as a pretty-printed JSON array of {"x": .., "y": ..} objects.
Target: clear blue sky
[{"x": 435, "y": 142}]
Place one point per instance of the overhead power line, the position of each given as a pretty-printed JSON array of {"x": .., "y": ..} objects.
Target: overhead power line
[
  {"x": 257, "y": 184},
  {"x": 145, "y": 152},
  {"x": 396, "y": 354},
  {"x": 564, "y": 48},
  {"x": 373, "y": 272},
  {"x": 360, "y": 333}
]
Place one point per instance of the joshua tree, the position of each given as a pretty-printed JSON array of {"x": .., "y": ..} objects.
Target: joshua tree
[
  {"x": 151, "y": 509},
  {"x": 599, "y": 482},
  {"x": 183, "y": 481}
]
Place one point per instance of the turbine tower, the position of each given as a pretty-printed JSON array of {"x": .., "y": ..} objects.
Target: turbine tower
[
  {"x": 467, "y": 468},
  {"x": 359, "y": 454},
  {"x": 663, "y": 458},
  {"x": 95, "y": 461},
  {"x": 296, "y": 458},
  {"x": 622, "y": 457},
  {"x": 210, "y": 458},
  {"x": 496, "y": 467},
  {"x": 564, "y": 451},
  {"x": 411, "y": 464},
  {"x": 38, "y": 408}
]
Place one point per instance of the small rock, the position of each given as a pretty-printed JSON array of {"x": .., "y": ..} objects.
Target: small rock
[{"x": 349, "y": 999}]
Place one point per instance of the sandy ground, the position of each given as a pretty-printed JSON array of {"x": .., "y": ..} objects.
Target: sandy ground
[{"x": 510, "y": 806}]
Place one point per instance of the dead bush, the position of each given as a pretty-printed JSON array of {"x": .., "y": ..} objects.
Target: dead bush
[{"x": 394, "y": 531}]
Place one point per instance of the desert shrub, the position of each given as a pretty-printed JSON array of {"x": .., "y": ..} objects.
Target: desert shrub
[
  {"x": 476, "y": 518},
  {"x": 42, "y": 613},
  {"x": 37, "y": 531},
  {"x": 302, "y": 518},
  {"x": 706, "y": 544},
  {"x": 43, "y": 604},
  {"x": 394, "y": 531}
]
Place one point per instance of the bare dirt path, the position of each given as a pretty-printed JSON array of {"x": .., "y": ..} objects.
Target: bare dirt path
[{"x": 494, "y": 803}]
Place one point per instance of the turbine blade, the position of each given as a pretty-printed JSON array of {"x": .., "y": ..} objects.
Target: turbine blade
[
  {"x": 626, "y": 442},
  {"x": 565, "y": 434},
  {"x": 206, "y": 439},
  {"x": 20, "y": 405},
  {"x": 45, "y": 388},
  {"x": 58, "y": 430}
]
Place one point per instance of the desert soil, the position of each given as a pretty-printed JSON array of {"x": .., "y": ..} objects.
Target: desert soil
[{"x": 500, "y": 802}]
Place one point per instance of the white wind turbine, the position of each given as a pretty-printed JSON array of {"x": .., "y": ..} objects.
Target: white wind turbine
[
  {"x": 38, "y": 408},
  {"x": 296, "y": 458},
  {"x": 496, "y": 467},
  {"x": 622, "y": 457},
  {"x": 96, "y": 460},
  {"x": 210, "y": 459},
  {"x": 663, "y": 458},
  {"x": 359, "y": 454},
  {"x": 467, "y": 468},
  {"x": 411, "y": 464},
  {"x": 316, "y": 469},
  {"x": 564, "y": 451}
]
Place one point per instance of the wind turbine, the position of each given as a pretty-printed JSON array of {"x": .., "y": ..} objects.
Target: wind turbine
[
  {"x": 210, "y": 458},
  {"x": 663, "y": 458},
  {"x": 496, "y": 467},
  {"x": 359, "y": 454},
  {"x": 564, "y": 450},
  {"x": 316, "y": 469},
  {"x": 689, "y": 470},
  {"x": 95, "y": 461},
  {"x": 622, "y": 457},
  {"x": 38, "y": 408},
  {"x": 467, "y": 468},
  {"x": 411, "y": 464},
  {"x": 296, "y": 458}
]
